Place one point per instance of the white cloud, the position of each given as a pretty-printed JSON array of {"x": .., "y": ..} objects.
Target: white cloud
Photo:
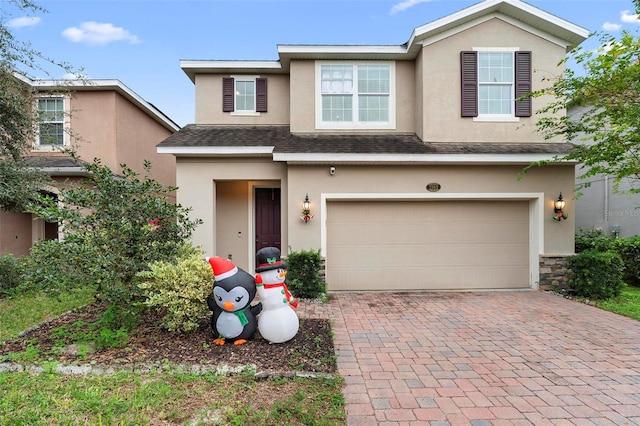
[
  {"x": 611, "y": 26},
  {"x": 25, "y": 21},
  {"x": 628, "y": 17},
  {"x": 404, "y": 5},
  {"x": 98, "y": 33}
]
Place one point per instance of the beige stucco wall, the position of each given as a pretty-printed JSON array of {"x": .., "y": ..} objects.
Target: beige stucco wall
[
  {"x": 441, "y": 79},
  {"x": 137, "y": 136},
  {"x": 419, "y": 88},
  {"x": 16, "y": 236},
  {"x": 303, "y": 111},
  {"x": 93, "y": 126},
  {"x": 316, "y": 180},
  {"x": 223, "y": 218},
  {"x": 105, "y": 125},
  {"x": 209, "y": 101}
]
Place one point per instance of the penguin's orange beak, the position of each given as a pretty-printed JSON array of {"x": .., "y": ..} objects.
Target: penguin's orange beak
[{"x": 228, "y": 306}]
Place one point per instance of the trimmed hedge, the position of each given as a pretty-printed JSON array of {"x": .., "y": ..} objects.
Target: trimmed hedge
[
  {"x": 303, "y": 278},
  {"x": 595, "y": 274}
]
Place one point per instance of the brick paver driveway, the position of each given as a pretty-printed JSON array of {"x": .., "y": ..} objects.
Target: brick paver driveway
[{"x": 486, "y": 358}]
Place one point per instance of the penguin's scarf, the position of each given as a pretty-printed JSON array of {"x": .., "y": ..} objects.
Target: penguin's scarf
[{"x": 242, "y": 316}]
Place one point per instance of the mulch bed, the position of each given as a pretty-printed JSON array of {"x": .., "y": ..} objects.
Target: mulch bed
[{"x": 311, "y": 350}]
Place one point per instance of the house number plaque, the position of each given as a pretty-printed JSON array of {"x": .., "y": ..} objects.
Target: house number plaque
[{"x": 433, "y": 187}]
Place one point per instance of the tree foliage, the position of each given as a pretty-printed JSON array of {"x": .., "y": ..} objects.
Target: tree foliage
[
  {"x": 114, "y": 227},
  {"x": 18, "y": 118},
  {"x": 607, "y": 92}
]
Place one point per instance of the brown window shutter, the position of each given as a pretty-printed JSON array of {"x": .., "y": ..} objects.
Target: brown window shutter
[
  {"x": 227, "y": 94},
  {"x": 469, "y": 82},
  {"x": 261, "y": 95},
  {"x": 523, "y": 83}
]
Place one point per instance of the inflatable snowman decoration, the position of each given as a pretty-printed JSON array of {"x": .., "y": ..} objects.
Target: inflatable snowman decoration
[{"x": 278, "y": 322}]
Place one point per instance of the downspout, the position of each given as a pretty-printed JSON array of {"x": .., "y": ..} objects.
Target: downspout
[{"x": 606, "y": 202}]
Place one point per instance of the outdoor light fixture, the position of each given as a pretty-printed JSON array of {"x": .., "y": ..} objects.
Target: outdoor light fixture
[
  {"x": 306, "y": 209},
  {"x": 558, "y": 207}
]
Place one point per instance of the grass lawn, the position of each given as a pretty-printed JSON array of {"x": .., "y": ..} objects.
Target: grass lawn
[
  {"x": 155, "y": 398},
  {"x": 627, "y": 304},
  {"x": 21, "y": 312},
  {"x": 149, "y": 399}
]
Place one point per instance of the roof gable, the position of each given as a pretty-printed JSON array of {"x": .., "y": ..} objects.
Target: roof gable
[{"x": 515, "y": 12}]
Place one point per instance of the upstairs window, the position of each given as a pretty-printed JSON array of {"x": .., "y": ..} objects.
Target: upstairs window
[
  {"x": 244, "y": 95},
  {"x": 493, "y": 82},
  {"x": 355, "y": 96},
  {"x": 51, "y": 116}
]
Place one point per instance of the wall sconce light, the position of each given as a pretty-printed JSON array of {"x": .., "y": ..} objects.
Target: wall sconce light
[
  {"x": 558, "y": 207},
  {"x": 306, "y": 209}
]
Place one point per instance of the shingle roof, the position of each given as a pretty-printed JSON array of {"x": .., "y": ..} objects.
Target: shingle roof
[
  {"x": 53, "y": 162},
  {"x": 286, "y": 142}
]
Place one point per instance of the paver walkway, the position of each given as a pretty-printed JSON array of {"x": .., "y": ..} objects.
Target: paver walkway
[{"x": 483, "y": 358}]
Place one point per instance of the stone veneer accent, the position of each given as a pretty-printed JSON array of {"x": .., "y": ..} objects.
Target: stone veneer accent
[{"x": 553, "y": 274}]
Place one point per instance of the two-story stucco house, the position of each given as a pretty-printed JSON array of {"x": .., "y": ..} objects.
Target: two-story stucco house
[
  {"x": 409, "y": 154},
  {"x": 99, "y": 119}
]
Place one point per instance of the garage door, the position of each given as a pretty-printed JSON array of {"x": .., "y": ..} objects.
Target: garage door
[{"x": 427, "y": 245}]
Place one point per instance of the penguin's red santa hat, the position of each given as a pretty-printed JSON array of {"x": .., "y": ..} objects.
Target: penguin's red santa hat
[{"x": 222, "y": 268}]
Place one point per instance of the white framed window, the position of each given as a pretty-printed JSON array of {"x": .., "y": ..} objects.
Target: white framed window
[
  {"x": 244, "y": 95},
  {"x": 358, "y": 95},
  {"x": 495, "y": 83},
  {"x": 51, "y": 115}
]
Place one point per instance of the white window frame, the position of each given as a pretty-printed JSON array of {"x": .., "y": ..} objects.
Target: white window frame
[
  {"x": 64, "y": 121},
  {"x": 244, "y": 78},
  {"x": 355, "y": 124},
  {"x": 498, "y": 117}
]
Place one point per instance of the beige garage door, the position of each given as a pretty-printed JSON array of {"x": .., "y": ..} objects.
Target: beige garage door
[{"x": 435, "y": 245}]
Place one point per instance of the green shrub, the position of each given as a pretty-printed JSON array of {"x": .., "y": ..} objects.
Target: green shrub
[
  {"x": 303, "y": 277},
  {"x": 593, "y": 239},
  {"x": 114, "y": 227},
  {"x": 10, "y": 277},
  {"x": 629, "y": 251},
  {"x": 179, "y": 290},
  {"x": 595, "y": 274}
]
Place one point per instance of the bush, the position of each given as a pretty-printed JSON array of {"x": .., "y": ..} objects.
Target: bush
[
  {"x": 179, "y": 290},
  {"x": 114, "y": 226},
  {"x": 10, "y": 277},
  {"x": 593, "y": 239},
  {"x": 629, "y": 251},
  {"x": 595, "y": 274},
  {"x": 303, "y": 277}
]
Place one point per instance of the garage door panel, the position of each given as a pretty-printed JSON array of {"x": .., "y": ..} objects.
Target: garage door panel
[{"x": 427, "y": 245}]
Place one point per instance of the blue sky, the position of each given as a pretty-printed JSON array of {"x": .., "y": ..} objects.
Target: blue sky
[{"x": 141, "y": 42}]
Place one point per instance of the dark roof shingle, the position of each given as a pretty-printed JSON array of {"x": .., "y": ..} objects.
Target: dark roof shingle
[{"x": 285, "y": 142}]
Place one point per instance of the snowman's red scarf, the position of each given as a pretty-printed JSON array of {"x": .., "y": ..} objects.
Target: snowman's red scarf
[{"x": 288, "y": 295}]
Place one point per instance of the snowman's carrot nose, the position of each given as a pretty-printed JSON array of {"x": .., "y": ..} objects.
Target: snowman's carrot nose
[
  {"x": 228, "y": 306},
  {"x": 282, "y": 274}
]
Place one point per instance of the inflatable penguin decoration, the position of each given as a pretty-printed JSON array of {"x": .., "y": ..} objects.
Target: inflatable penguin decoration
[
  {"x": 278, "y": 322},
  {"x": 233, "y": 316}
]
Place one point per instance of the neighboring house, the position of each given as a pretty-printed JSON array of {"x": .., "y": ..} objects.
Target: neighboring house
[
  {"x": 99, "y": 119},
  {"x": 601, "y": 207},
  {"x": 409, "y": 154}
]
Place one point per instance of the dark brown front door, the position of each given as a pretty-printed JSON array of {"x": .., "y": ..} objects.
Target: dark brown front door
[{"x": 267, "y": 217}]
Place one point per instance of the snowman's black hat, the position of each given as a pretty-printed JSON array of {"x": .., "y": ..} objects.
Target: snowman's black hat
[{"x": 268, "y": 258}]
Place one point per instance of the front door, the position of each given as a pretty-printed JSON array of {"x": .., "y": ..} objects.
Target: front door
[{"x": 267, "y": 204}]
